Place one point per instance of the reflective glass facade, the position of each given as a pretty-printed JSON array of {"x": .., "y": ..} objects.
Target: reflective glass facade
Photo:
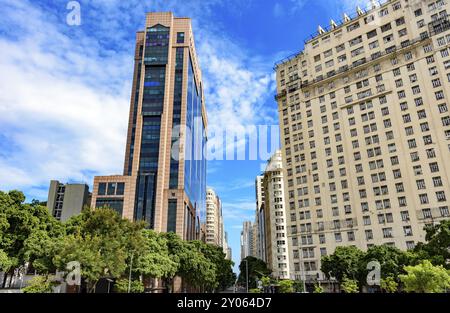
[
  {"x": 155, "y": 60},
  {"x": 135, "y": 110},
  {"x": 114, "y": 203},
  {"x": 195, "y": 162},
  {"x": 176, "y": 120}
]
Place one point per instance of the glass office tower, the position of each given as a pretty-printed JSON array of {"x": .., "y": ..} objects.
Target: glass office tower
[{"x": 165, "y": 166}]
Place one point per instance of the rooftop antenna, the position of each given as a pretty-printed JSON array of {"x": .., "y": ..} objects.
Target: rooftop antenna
[
  {"x": 346, "y": 18},
  {"x": 374, "y": 4},
  {"x": 321, "y": 30},
  {"x": 333, "y": 24},
  {"x": 359, "y": 10}
]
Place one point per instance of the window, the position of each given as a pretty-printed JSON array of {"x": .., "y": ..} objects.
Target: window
[
  {"x": 120, "y": 189},
  {"x": 111, "y": 191},
  {"x": 427, "y": 213},
  {"x": 102, "y": 189},
  {"x": 407, "y": 230},
  {"x": 369, "y": 234},
  {"x": 387, "y": 232},
  {"x": 405, "y": 216},
  {"x": 180, "y": 37}
]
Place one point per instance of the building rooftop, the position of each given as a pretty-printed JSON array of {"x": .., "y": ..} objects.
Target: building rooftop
[{"x": 335, "y": 26}]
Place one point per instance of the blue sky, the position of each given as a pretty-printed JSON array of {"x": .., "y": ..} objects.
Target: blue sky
[{"x": 64, "y": 90}]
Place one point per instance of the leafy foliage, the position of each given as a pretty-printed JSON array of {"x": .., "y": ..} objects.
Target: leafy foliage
[
  {"x": 153, "y": 258},
  {"x": 286, "y": 286},
  {"x": 349, "y": 285},
  {"x": 40, "y": 284},
  {"x": 28, "y": 232},
  {"x": 299, "y": 286},
  {"x": 344, "y": 262},
  {"x": 318, "y": 288},
  {"x": 121, "y": 286},
  {"x": 438, "y": 243},
  {"x": 106, "y": 246},
  {"x": 389, "y": 284},
  {"x": 5, "y": 263},
  {"x": 425, "y": 278},
  {"x": 256, "y": 268}
]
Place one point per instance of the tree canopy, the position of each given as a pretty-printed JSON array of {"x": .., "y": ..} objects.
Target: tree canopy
[
  {"x": 256, "y": 269},
  {"x": 425, "y": 278},
  {"x": 106, "y": 246}
]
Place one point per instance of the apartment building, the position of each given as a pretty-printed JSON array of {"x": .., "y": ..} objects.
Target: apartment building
[
  {"x": 365, "y": 130},
  {"x": 214, "y": 221},
  {"x": 247, "y": 240},
  {"x": 275, "y": 230},
  {"x": 67, "y": 200},
  {"x": 164, "y": 176},
  {"x": 259, "y": 218}
]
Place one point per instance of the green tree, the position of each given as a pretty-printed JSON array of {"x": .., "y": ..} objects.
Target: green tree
[
  {"x": 392, "y": 261},
  {"x": 194, "y": 268},
  {"x": 40, "y": 284},
  {"x": 265, "y": 281},
  {"x": 27, "y": 232},
  {"x": 256, "y": 268},
  {"x": 425, "y": 278},
  {"x": 286, "y": 286},
  {"x": 102, "y": 241},
  {"x": 344, "y": 262},
  {"x": 5, "y": 263},
  {"x": 349, "y": 285},
  {"x": 153, "y": 259},
  {"x": 197, "y": 269},
  {"x": 318, "y": 288},
  {"x": 438, "y": 242},
  {"x": 299, "y": 286},
  {"x": 224, "y": 268},
  {"x": 389, "y": 284},
  {"x": 121, "y": 286}
]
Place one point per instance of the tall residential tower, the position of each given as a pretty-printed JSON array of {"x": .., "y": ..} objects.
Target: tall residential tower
[
  {"x": 164, "y": 177},
  {"x": 365, "y": 130},
  {"x": 275, "y": 233}
]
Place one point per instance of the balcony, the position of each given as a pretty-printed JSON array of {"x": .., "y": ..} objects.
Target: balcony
[
  {"x": 281, "y": 95},
  {"x": 374, "y": 57},
  {"x": 440, "y": 25}
]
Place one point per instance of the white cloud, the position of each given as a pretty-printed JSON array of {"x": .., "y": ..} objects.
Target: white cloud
[{"x": 64, "y": 91}]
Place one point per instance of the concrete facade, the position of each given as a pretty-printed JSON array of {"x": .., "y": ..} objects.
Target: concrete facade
[
  {"x": 247, "y": 239},
  {"x": 365, "y": 131},
  {"x": 214, "y": 221},
  {"x": 275, "y": 230},
  {"x": 67, "y": 200}
]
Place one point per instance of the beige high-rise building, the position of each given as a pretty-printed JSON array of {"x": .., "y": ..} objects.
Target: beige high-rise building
[
  {"x": 365, "y": 131},
  {"x": 259, "y": 219},
  {"x": 164, "y": 177},
  {"x": 275, "y": 232},
  {"x": 247, "y": 240},
  {"x": 214, "y": 220}
]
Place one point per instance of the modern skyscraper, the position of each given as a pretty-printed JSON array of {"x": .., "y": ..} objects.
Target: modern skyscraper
[
  {"x": 164, "y": 178},
  {"x": 67, "y": 200},
  {"x": 275, "y": 233},
  {"x": 365, "y": 131}
]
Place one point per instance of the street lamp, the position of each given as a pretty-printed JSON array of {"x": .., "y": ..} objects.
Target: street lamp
[
  {"x": 246, "y": 271},
  {"x": 129, "y": 277}
]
